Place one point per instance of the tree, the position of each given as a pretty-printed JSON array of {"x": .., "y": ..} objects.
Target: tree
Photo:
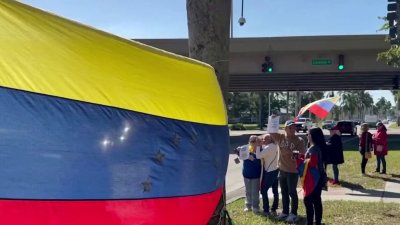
[
  {"x": 396, "y": 95},
  {"x": 349, "y": 102},
  {"x": 364, "y": 100},
  {"x": 383, "y": 107},
  {"x": 392, "y": 55},
  {"x": 208, "y": 25}
]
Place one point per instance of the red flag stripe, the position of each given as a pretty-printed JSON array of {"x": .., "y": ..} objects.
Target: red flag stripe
[{"x": 194, "y": 210}]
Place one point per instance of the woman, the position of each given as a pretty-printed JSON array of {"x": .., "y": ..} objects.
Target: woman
[
  {"x": 312, "y": 174},
  {"x": 251, "y": 173},
  {"x": 335, "y": 153},
  {"x": 365, "y": 146},
  {"x": 380, "y": 147}
]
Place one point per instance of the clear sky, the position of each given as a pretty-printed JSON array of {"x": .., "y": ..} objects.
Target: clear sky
[{"x": 135, "y": 19}]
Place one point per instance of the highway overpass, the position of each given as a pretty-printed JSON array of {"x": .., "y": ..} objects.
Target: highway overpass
[{"x": 303, "y": 63}]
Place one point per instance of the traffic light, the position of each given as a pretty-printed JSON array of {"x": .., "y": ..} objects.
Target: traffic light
[
  {"x": 341, "y": 62},
  {"x": 392, "y": 18},
  {"x": 267, "y": 66}
]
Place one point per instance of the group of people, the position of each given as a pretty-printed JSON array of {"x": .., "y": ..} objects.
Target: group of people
[
  {"x": 274, "y": 159},
  {"x": 377, "y": 144}
]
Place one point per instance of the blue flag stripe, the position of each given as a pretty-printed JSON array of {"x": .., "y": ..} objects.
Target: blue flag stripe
[{"x": 54, "y": 148}]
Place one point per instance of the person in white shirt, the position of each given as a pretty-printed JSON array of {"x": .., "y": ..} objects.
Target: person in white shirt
[{"x": 269, "y": 173}]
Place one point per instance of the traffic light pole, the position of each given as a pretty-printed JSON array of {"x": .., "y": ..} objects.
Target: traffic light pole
[{"x": 398, "y": 22}]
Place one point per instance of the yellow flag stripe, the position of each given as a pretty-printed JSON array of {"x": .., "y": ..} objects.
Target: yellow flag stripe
[{"x": 46, "y": 54}]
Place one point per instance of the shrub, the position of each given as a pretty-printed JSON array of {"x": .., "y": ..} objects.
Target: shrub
[{"x": 237, "y": 126}]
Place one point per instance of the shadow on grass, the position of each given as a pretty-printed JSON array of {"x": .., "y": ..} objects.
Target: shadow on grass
[
  {"x": 386, "y": 178},
  {"x": 352, "y": 186},
  {"x": 395, "y": 175},
  {"x": 301, "y": 220}
]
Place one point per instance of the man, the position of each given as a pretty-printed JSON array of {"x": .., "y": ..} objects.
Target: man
[
  {"x": 288, "y": 176},
  {"x": 269, "y": 156}
]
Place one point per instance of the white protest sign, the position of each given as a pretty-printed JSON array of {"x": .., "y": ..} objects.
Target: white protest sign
[
  {"x": 244, "y": 152},
  {"x": 273, "y": 124}
]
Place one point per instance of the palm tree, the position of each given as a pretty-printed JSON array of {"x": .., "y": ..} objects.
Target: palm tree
[
  {"x": 383, "y": 107},
  {"x": 364, "y": 100},
  {"x": 349, "y": 103}
]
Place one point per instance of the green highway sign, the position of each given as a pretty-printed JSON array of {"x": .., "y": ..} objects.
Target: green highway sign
[{"x": 320, "y": 62}]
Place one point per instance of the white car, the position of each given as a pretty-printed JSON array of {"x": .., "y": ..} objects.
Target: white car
[{"x": 303, "y": 124}]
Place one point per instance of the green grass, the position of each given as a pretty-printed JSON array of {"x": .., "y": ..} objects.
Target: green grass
[
  {"x": 251, "y": 126},
  {"x": 335, "y": 213},
  {"x": 255, "y": 126},
  {"x": 394, "y": 126},
  {"x": 350, "y": 171}
]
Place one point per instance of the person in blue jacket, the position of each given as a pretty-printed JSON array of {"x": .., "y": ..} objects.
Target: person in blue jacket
[{"x": 251, "y": 173}]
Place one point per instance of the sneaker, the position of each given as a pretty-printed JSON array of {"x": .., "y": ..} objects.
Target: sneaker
[
  {"x": 282, "y": 216},
  {"x": 256, "y": 211},
  {"x": 246, "y": 209},
  {"x": 383, "y": 172},
  {"x": 273, "y": 213},
  {"x": 291, "y": 218},
  {"x": 267, "y": 214},
  {"x": 336, "y": 182},
  {"x": 363, "y": 174}
]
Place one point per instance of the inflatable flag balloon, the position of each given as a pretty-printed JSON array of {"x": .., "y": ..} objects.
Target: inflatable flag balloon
[{"x": 96, "y": 129}]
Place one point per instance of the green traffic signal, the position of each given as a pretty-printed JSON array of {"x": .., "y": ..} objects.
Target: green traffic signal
[
  {"x": 270, "y": 69},
  {"x": 341, "y": 62}
]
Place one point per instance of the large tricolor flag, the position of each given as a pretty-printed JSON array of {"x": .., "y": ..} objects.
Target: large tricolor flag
[
  {"x": 320, "y": 108},
  {"x": 96, "y": 129}
]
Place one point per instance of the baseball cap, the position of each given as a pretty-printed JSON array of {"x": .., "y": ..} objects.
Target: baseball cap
[{"x": 289, "y": 123}]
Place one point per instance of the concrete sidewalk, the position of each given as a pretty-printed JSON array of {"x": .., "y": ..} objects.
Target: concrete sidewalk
[{"x": 391, "y": 192}]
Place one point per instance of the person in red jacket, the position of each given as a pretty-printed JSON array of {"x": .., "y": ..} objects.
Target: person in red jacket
[{"x": 380, "y": 147}]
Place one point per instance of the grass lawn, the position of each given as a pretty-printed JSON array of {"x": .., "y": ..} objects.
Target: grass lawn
[
  {"x": 350, "y": 171},
  {"x": 335, "y": 213},
  {"x": 255, "y": 126},
  {"x": 394, "y": 125},
  {"x": 343, "y": 212}
]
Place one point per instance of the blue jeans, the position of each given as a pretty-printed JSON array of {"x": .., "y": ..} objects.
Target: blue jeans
[
  {"x": 380, "y": 159},
  {"x": 252, "y": 193},
  {"x": 270, "y": 179}
]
